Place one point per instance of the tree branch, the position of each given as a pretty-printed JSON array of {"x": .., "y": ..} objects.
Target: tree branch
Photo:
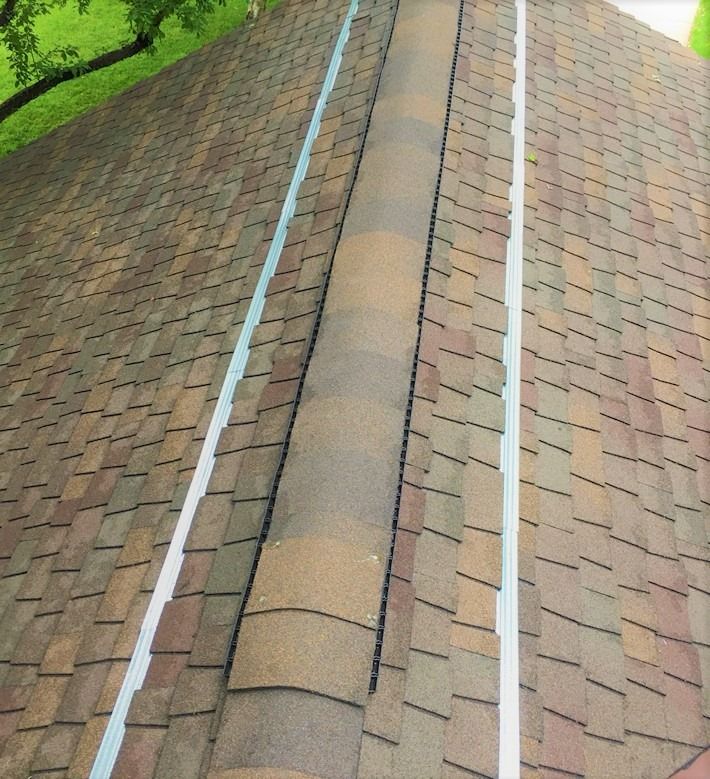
[
  {"x": 254, "y": 8},
  {"x": 6, "y": 12},
  {"x": 30, "y": 93}
]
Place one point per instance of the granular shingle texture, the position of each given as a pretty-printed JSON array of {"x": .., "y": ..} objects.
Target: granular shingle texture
[
  {"x": 131, "y": 241},
  {"x": 318, "y": 585},
  {"x": 435, "y": 709},
  {"x": 614, "y": 576}
]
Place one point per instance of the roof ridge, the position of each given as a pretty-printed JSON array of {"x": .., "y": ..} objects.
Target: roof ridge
[{"x": 340, "y": 474}]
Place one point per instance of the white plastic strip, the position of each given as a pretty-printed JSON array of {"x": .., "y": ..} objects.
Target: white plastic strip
[
  {"x": 138, "y": 666},
  {"x": 509, "y": 743}
]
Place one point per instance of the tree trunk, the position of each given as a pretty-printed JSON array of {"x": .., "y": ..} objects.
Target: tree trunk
[
  {"x": 28, "y": 94},
  {"x": 254, "y": 8}
]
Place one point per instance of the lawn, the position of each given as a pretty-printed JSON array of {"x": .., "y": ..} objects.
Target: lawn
[
  {"x": 102, "y": 29},
  {"x": 700, "y": 32}
]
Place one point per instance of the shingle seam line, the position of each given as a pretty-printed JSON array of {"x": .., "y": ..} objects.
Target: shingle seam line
[
  {"x": 508, "y": 623},
  {"x": 140, "y": 659}
]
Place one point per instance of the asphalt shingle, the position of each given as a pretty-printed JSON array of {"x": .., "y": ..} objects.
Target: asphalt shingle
[
  {"x": 129, "y": 258},
  {"x": 131, "y": 242}
]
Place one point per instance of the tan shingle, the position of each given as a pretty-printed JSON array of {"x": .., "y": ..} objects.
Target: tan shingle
[{"x": 105, "y": 415}]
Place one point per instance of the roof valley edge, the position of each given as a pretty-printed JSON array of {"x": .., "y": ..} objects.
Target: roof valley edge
[{"x": 131, "y": 243}]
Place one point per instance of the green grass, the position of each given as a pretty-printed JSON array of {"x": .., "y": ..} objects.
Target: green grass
[
  {"x": 102, "y": 29},
  {"x": 700, "y": 32}
]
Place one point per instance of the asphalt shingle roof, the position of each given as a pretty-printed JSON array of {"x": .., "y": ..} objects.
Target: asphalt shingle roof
[
  {"x": 130, "y": 245},
  {"x": 132, "y": 240}
]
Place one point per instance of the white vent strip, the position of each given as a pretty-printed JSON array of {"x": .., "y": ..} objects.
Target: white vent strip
[
  {"x": 509, "y": 743},
  {"x": 138, "y": 666}
]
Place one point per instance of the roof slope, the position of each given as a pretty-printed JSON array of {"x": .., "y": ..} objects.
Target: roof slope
[
  {"x": 305, "y": 651},
  {"x": 131, "y": 242},
  {"x": 614, "y": 578}
]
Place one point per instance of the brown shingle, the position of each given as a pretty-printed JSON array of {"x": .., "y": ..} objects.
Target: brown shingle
[
  {"x": 42, "y": 707},
  {"x": 139, "y": 752},
  {"x": 56, "y": 749},
  {"x": 82, "y": 693},
  {"x": 604, "y": 759},
  {"x": 612, "y": 306},
  {"x": 434, "y": 578},
  {"x": 561, "y": 687},
  {"x": 479, "y": 640},
  {"x": 479, "y": 556},
  {"x": 249, "y": 739},
  {"x": 315, "y": 652},
  {"x": 672, "y": 611},
  {"x": 474, "y": 676},
  {"x": 342, "y": 568},
  {"x": 178, "y": 625},
  {"x": 18, "y": 752},
  {"x": 644, "y": 711},
  {"x": 476, "y": 604},
  {"x": 472, "y": 725},
  {"x": 400, "y": 624},
  {"x": 184, "y": 747},
  {"x": 482, "y": 496},
  {"x": 680, "y": 659},
  {"x": 684, "y": 712},
  {"x": 59, "y": 657},
  {"x": 563, "y": 745},
  {"x": 420, "y": 745},
  {"x": 383, "y": 714},
  {"x": 428, "y": 683}
]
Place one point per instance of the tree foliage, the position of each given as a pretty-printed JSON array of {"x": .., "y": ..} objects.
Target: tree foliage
[
  {"x": 700, "y": 32},
  {"x": 17, "y": 26},
  {"x": 37, "y": 70}
]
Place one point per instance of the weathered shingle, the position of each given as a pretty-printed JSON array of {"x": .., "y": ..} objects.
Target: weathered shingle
[
  {"x": 129, "y": 257},
  {"x": 621, "y": 313},
  {"x": 131, "y": 242}
]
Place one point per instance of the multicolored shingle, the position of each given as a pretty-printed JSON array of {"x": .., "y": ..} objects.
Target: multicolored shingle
[
  {"x": 129, "y": 260},
  {"x": 131, "y": 241},
  {"x": 618, "y": 285}
]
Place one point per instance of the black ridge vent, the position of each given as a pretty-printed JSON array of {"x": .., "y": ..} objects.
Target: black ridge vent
[{"x": 377, "y": 656}]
